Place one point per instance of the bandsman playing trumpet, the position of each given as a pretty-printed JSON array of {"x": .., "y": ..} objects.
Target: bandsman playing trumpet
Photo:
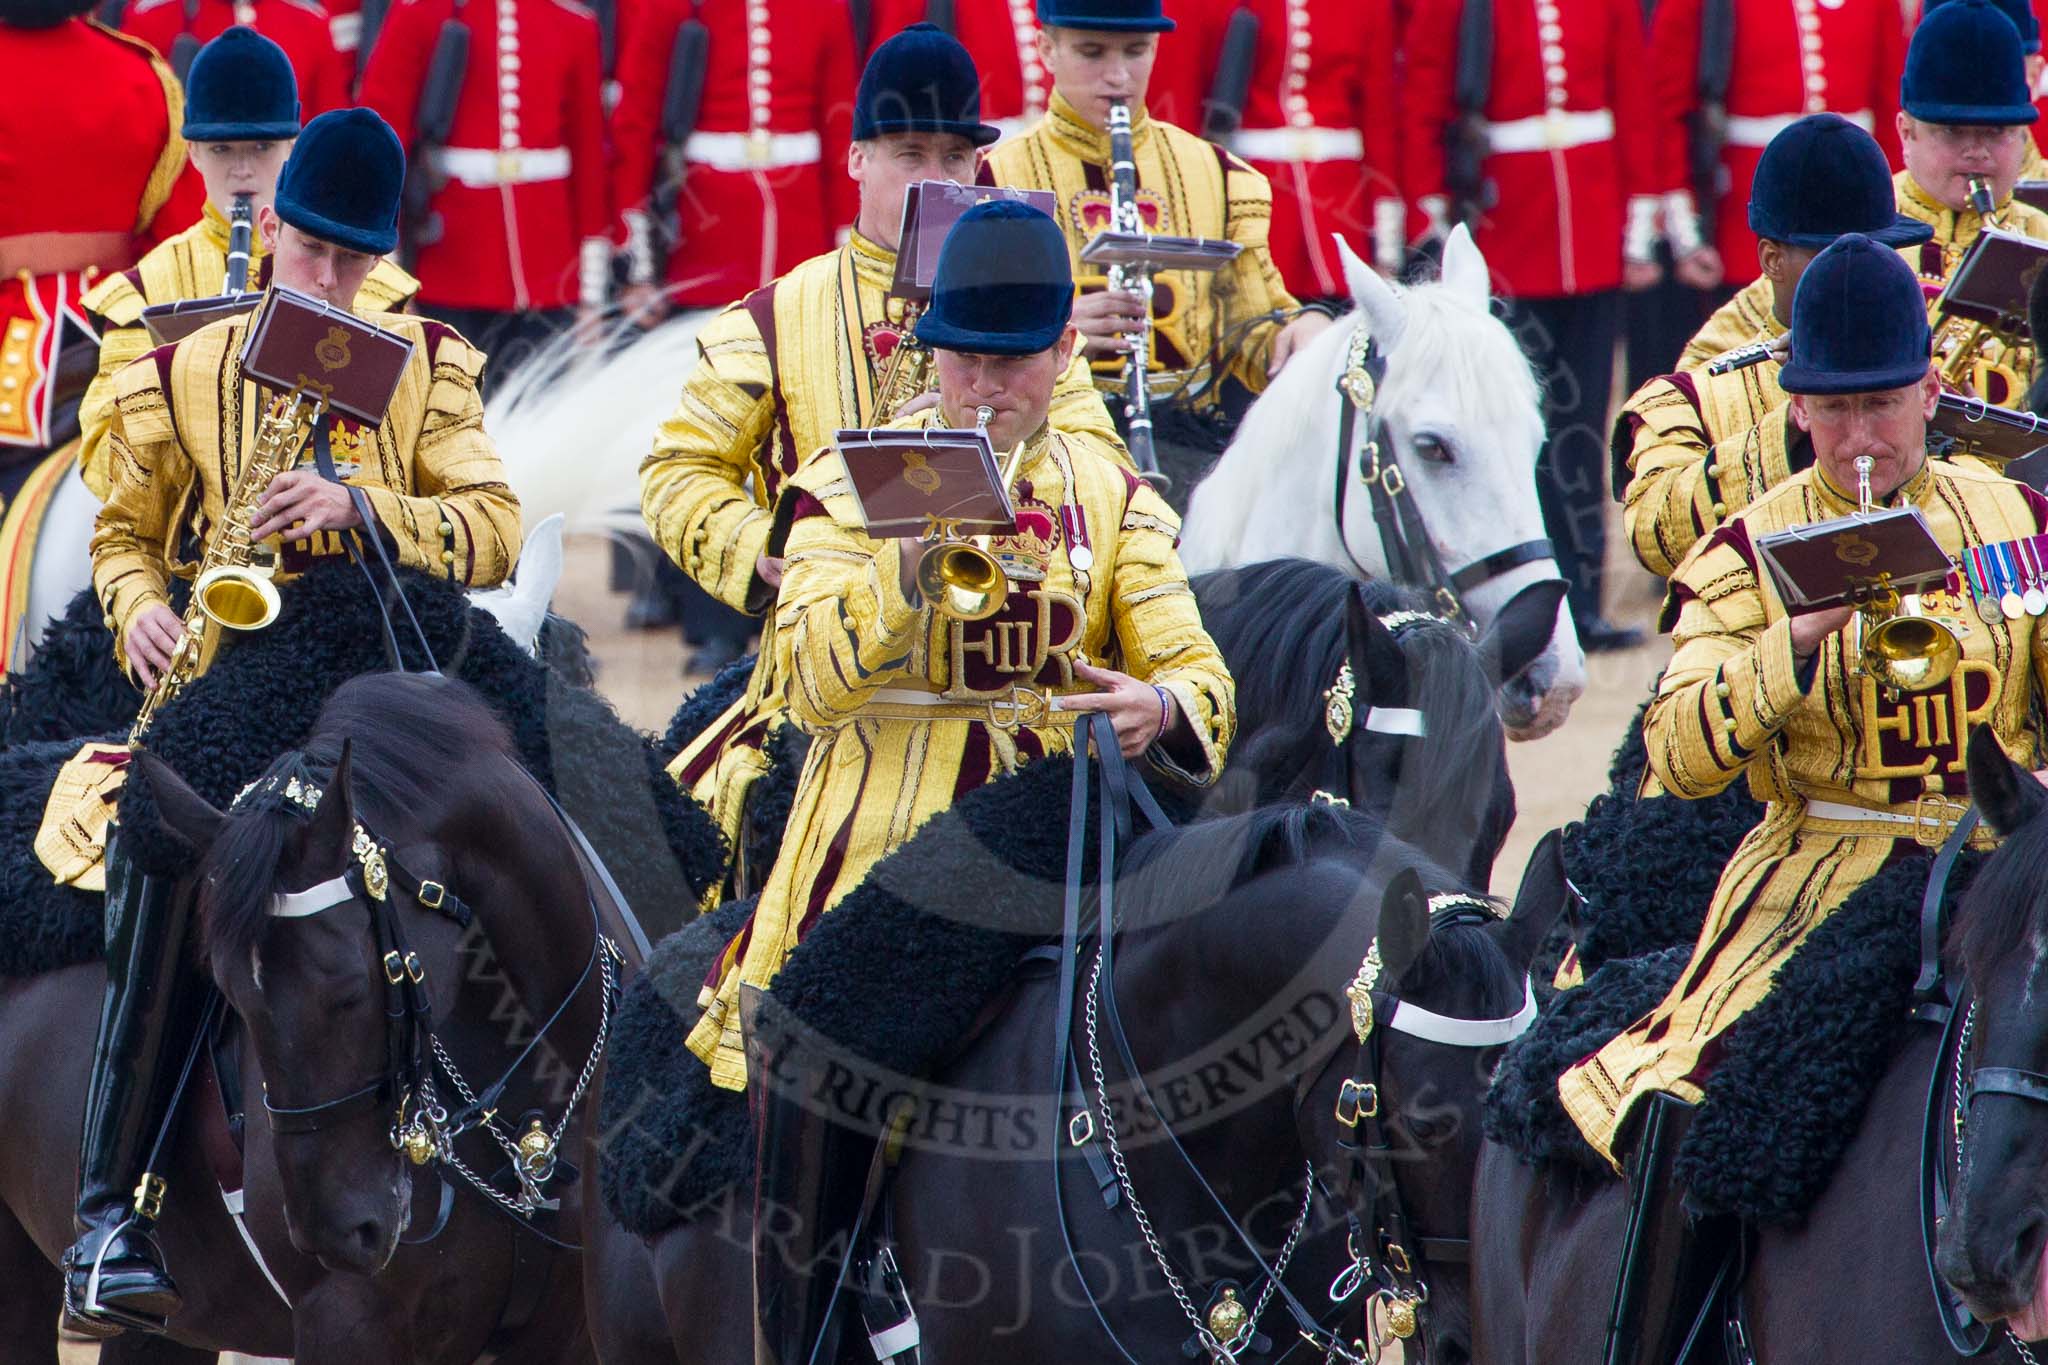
[
  {"x": 1851, "y": 770},
  {"x": 911, "y": 705},
  {"x": 181, "y": 431}
]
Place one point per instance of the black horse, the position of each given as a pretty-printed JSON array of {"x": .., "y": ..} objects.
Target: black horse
[
  {"x": 1849, "y": 1282},
  {"x": 354, "y": 1009}
]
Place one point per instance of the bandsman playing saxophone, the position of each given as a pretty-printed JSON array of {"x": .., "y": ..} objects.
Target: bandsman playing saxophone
[
  {"x": 816, "y": 351},
  {"x": 437, "y": 492}
]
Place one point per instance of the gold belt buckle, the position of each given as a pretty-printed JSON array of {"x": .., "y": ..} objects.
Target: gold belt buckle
[
  {"x": 758, "y": 147},
  {"x": 1020, "y": 708},
  {"x": 509, "y": 163},
  {"x": 1934, "y": 815},
  {"x": 1555, "y": 130}
]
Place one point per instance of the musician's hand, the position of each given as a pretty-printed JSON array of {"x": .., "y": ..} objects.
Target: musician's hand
[
  {"x": 643, "y": 304},
  {"x": 918, "y": 404},
  {"x": 1294, "y": 336},
  {"x": 152, "y": 636},
  {"x": 1815, "y": 626},
  {"x": 588, "y": 329},
  {"x": 300, "y": 502},
  {"x": 1133, "y": 707},
  {"x": 1104, "y": 316},
  {"x": 1699, "y": 269},
  {"x": 769, "y": 569},
  {"x": 1637, "y": 276}
]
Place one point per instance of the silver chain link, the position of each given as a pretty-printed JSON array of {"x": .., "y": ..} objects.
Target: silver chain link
[
  {"x": 1956, "y": 1090},
  {"x": 1218, "y": 1350}
]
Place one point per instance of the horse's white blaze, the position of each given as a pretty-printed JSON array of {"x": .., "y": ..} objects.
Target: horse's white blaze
[{"x": 1455, "y": 375}]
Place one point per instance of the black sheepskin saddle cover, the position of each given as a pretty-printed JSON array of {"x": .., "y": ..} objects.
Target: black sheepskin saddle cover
[
  {"x": 262, "y": 697},
  {"x": 1796, "y": 1073},
  {"x": 952, "y": 910}
]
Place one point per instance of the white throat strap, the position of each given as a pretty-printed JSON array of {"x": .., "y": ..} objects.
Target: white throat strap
[
  {"x": 1396, "y": 720},
  {"x": 314, "y": 899},
  {"x": 1440, "y": 1028}
]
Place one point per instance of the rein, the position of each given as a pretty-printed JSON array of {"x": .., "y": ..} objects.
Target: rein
[
  {"x": 422, "y": 1127},
  {"x": 1412, "y": 556},
  {"x": 1228, "y": 1328}
]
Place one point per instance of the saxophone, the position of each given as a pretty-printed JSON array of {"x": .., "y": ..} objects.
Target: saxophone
[{"x": 234, "y": 588}]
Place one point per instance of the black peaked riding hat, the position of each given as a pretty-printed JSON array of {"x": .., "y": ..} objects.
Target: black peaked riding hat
[
  {"x": 1859, "y": 322},
  {"x": 1110, "y": 16},
  {"x": 921, "y": 81},
  {"x": 2021, "y": 12},
  {"x": 1004, "y": 284},
  {"x": 1821, "y": 177},
  {"x": 343, "y": 180},
  {"x": 241, "y": 89},
  {"x": 1965, "y": 66}
]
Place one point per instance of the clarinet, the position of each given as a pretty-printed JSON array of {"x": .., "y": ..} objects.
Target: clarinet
[
  {"x": 1742, "y": 357},
  {"x": 241, "y": 229},
  {"x": 1124, "y": 217},
  {"x": 1980, "y": 196}
]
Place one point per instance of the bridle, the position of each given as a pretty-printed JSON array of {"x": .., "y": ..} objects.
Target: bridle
[
  {"x": 1411, "y": 555},
  {"x": 1228, "y": 1327},
  {"x": 1342, "y": 715},
  {"x": 422, "y": 1127}
]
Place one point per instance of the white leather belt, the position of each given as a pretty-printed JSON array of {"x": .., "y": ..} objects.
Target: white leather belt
[
  {"x": 1757, "y": 130},
  {"x": 753, "y": 151},
  {"x": 1298, "y": 144},
  {"x": 1552, "y": 132},
  {"x": 483, "y": 168}
]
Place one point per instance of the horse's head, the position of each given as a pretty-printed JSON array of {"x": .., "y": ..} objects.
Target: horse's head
[
  {"x": 1393, "y": 1121},
  {"x": 331, "y": 900},
  {"x": 1991, "y": 1244},
  {"x": 1461, "y": 416}
]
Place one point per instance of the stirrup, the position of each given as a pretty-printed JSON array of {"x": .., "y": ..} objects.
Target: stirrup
[{"x": 94, "y": 1318}]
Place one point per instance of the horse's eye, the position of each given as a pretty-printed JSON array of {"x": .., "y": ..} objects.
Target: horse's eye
[{"x": 1433, "y": 449}]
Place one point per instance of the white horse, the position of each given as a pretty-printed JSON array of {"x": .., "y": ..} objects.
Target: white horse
[
  {"x": 1458, "y": 411},
  {"x": 566, "y": 456}
]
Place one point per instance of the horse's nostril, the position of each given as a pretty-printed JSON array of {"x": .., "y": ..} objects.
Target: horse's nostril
[
  {"x": 368, "y": 1236},
  {"x": 2025, "y": 1254}
]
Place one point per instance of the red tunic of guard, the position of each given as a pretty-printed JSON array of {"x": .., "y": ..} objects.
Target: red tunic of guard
[
  {"x": 1568, "y": 115},
  {"x": 524, "y": 194},
  {"x": 765, "y": 184},
  {"x": 67, "y": 217},
  {"x": 1002, "y": 37},
  {"x": 301, "y": 27},
  {"x": 1791, "y": 58},
  {"x": 1319, "y": 123}
]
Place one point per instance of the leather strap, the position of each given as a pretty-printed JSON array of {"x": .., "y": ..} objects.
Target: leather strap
[{"x": 1933, "y": 999}]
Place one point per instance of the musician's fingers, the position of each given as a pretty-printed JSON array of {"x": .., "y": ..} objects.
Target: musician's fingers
[{"x": 1103, "y": 678}]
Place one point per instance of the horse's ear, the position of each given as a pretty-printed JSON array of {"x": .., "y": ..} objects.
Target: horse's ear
[
  {"x": 334, "y": 819},
  {"x": 1377, "y": 299},
  {"x": 1465, "y": 268},
  {"x": 1404, "y": 924},
  {"x": 1522, "y": 631},
  {"x": 184, "y": 811},
  {"x": 2008, "y": 794},
  {"x": 1545, "y": 898}
]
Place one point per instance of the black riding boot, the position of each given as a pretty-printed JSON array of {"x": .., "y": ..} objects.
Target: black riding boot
[
  {"x": 115, "y": 1276},
  {"x": 812, "y": 1176},
  {"x": 1665, "y": 1267}
]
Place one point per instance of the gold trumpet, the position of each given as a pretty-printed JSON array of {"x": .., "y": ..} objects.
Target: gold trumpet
[
  {"x": 958, "y": 574},
  {"x": 1897, "y": 642}
]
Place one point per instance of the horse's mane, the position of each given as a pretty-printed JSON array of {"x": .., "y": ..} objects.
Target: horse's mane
[
  {"x": 1282, "y": 624},
  {"x": 407, "y": 734},
  {"x": 2003, "y": 906}
]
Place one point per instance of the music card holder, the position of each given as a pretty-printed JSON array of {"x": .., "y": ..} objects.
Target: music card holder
[
  {"x": 170, "y": 323},
  {"x": 1844, "y": 559},
  {"x": 1970, "y": 426},
  {"x": 1990, "y": 283},
  {"x": 930, "y": 208},
  {"x": 915, "y": 483},
  {"x": 298, "y": 342},
  {"x": 2033, "y": 193},
  {"x": 1149, "y": 252}
]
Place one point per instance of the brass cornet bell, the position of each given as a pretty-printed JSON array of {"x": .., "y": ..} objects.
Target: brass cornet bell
[
  {"x": 960, "y": 577},
  {"x": 1903, "y": 646}
]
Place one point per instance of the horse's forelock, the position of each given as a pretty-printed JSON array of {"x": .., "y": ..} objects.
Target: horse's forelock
[{"x": 1448, "y": 344}]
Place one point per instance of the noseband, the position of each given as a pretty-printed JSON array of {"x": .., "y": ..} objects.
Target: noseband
[
  {"x": 422, "y": 1127},
  {"x": 1412, "y": 557}
]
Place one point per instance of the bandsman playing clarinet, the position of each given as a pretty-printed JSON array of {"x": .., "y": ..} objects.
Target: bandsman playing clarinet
[
  {"x": 1702, "y": 444},
  {"x": 812, "y": 353},
  {"x": 241, "y": 114},
  {"x": 1855, "y": 760},
  {"x": 437, "y": 494},
  {"x": 1235, "y": 327},
  {"x": 909, "y": 704}
]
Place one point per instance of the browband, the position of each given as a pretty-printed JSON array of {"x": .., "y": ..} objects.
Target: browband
[
  {"x": 1396, "y": 720},
  {"x": 1417, "y": 1022},
  {"x": 325, "y": 896}
]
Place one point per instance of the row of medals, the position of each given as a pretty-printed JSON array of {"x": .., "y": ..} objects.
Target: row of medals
[{"x": 2009, "y": 579}]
